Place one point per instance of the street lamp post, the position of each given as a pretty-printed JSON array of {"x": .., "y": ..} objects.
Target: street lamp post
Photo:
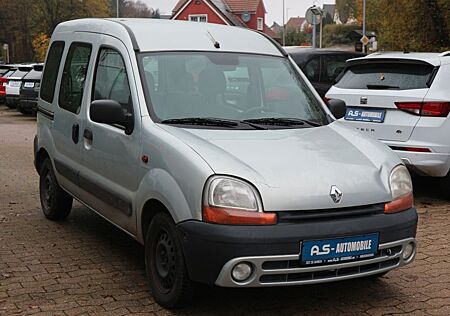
[
  {"x": 364, "y": 24},
  {"x": 316, "y": 14},
  {"x": 284, "y": 26},
  {"x": 117, "y": 8}
]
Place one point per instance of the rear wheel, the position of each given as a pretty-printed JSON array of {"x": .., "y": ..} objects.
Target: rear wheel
[
  {"x": 56, "y": 203},
  {"x": 165, "y": 265}
]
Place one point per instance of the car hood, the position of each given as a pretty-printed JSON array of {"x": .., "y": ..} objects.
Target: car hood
[{"x": 294, "y": 169}]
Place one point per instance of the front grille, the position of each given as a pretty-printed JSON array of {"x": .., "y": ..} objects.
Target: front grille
[
  {"x": 329, "y": 274},
  {"x": 387, "y": 258},
  {"x": 330, "y": 214}
]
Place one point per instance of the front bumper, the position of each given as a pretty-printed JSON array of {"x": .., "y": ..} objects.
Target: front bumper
[
  {"x": 211, "y": 250},
  {"x": 433, "y": 164}
]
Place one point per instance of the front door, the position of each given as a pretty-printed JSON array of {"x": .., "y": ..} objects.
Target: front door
[{"x": 111, "y": 154}]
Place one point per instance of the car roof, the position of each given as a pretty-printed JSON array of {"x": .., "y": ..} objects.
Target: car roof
[
  {"x": 148, "y": 35},
  {"x": 318, "y": 51},
  {"x": 434, "y": 59},
  {"x": 302, "y": 55}
]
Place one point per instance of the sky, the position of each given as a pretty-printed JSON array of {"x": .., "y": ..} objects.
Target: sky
[{"x": 274, "y": 7}]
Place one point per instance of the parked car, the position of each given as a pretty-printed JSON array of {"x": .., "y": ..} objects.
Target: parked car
[
  {"x": 321, "y": 66},
  {"x": 154, "y": 136},
  {"x": 402, "y": 99},
  {"x": 5, "y": 72},
  {"x": 29, "y": 91},
  {"x": 14, "y": 84}
]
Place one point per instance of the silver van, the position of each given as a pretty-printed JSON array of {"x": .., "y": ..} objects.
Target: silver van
[{"x": 208, "y": 145}]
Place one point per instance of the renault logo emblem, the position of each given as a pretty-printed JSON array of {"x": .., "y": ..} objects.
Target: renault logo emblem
[
  {"x": 336, "y": 194},
  {"x": 363, "y": 100}
]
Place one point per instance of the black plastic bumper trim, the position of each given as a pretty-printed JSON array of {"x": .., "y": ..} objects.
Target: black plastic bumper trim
[{"x": 207, "y": 247}]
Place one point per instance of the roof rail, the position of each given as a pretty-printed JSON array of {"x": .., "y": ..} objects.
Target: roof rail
[{"x": 445, "y": 54}]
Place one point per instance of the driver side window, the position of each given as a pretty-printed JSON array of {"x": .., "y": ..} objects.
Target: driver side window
[{"x": 111, "y": 80}]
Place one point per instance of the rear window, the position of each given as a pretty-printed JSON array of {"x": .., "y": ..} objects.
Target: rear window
[
  {"x": 33, "y": 75},
  {"x": 388, "y": 76},
  {"x": 19, "y": 74},
  {"x": 51, "y": 71},
  {"x": 3, "y": 71},
  {"x": 9, "y": 73}
]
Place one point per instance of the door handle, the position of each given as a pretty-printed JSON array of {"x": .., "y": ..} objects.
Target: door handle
[
  {"x": 75, "y": 132},
  {"x": 87, "y": 134}
]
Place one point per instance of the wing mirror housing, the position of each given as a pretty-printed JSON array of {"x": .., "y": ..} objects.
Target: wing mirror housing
[
  {"x": 111, "y": 112},
  {"x": 337, "y": 107}
]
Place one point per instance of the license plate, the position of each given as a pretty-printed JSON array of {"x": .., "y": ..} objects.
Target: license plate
[
  {"x": 339, "y": 249},
  {"x": 14, "y": 84},
  {"x": 365, "y": 115},
  {"x": 28, "y": 84}
]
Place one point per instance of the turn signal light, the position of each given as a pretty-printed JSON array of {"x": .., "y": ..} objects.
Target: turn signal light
[
  {"x": 434, "y": 109},
  {"x": 401, "y": 204},
  {"x": 219, "y": 215}
]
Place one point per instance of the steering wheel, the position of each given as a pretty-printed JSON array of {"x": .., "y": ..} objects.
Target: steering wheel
[{"x": 260, "y": 112}]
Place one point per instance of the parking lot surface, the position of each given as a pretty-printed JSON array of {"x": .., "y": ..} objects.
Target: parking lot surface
[{"x": 86, "y": 266}]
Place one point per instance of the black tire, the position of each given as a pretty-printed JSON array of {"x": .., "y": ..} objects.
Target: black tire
[
  {"x": 10, "y": 105},
  {"x": 55, "y": 202},
  {"x": 23, "y": 110},
  {"x": 165, "y": 265}
]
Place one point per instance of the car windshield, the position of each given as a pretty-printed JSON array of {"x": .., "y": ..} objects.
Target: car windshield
[{"x": 187, "y": 87}]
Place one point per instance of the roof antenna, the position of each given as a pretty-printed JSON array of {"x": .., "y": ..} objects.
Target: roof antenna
[{"x": 216, "y": 43}]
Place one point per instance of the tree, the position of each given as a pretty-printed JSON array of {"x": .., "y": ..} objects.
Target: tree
[
  {"x": 346, "y": 9},
  {"x": 40, "y": 45},
  {"x": 338, "y": 34},
  {"x": 295, "y": 37}
]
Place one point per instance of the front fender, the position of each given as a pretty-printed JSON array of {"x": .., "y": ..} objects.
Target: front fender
[{"x": 159, "y": 185}]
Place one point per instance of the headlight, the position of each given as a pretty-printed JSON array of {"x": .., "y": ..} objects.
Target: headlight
[
  {"x": 233, "y": 193},
  {"x": 401, "y": 190},
  {"x": 233, "y": 201}
]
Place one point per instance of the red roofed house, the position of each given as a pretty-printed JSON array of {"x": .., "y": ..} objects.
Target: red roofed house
[
  {"x": 296, "y": 24},
  {"x": 244, "y": 13}
]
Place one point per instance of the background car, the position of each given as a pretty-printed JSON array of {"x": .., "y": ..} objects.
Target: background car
[
  {"x": 29, "y": 91},
  {"x": 402, "y": 99},
  {"x": 321, "y": 66},
  {"x": 5, "y": 72},
  {"x": 14, "y": 84}
]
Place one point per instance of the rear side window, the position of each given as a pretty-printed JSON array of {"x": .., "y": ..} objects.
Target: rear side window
[
  {"x": 51, "y": 71},
  {"x": 74, "y": 76},
  {"x": 388, "y": 76},
  {"x": 312, "y": 70},
  {"x": 334, "y": 65}
]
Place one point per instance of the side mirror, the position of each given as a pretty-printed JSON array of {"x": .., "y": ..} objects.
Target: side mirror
[
  {"x": 111, "y": 112},
  {"x": 337, "y": 107}
]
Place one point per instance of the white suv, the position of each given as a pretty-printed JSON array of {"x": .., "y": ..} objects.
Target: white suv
[{"x": 402, "y": 99}]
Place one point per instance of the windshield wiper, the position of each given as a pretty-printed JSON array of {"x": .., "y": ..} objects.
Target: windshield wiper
[
  {"x": 381, "y": 87},
  {"x": 210, "y": 121},
  {"x": 283, "y": 121}
]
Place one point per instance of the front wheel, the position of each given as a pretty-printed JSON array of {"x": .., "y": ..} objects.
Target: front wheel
[
  {"x": 56, "y": 203},
  {"x": 165, "y": 265}
]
